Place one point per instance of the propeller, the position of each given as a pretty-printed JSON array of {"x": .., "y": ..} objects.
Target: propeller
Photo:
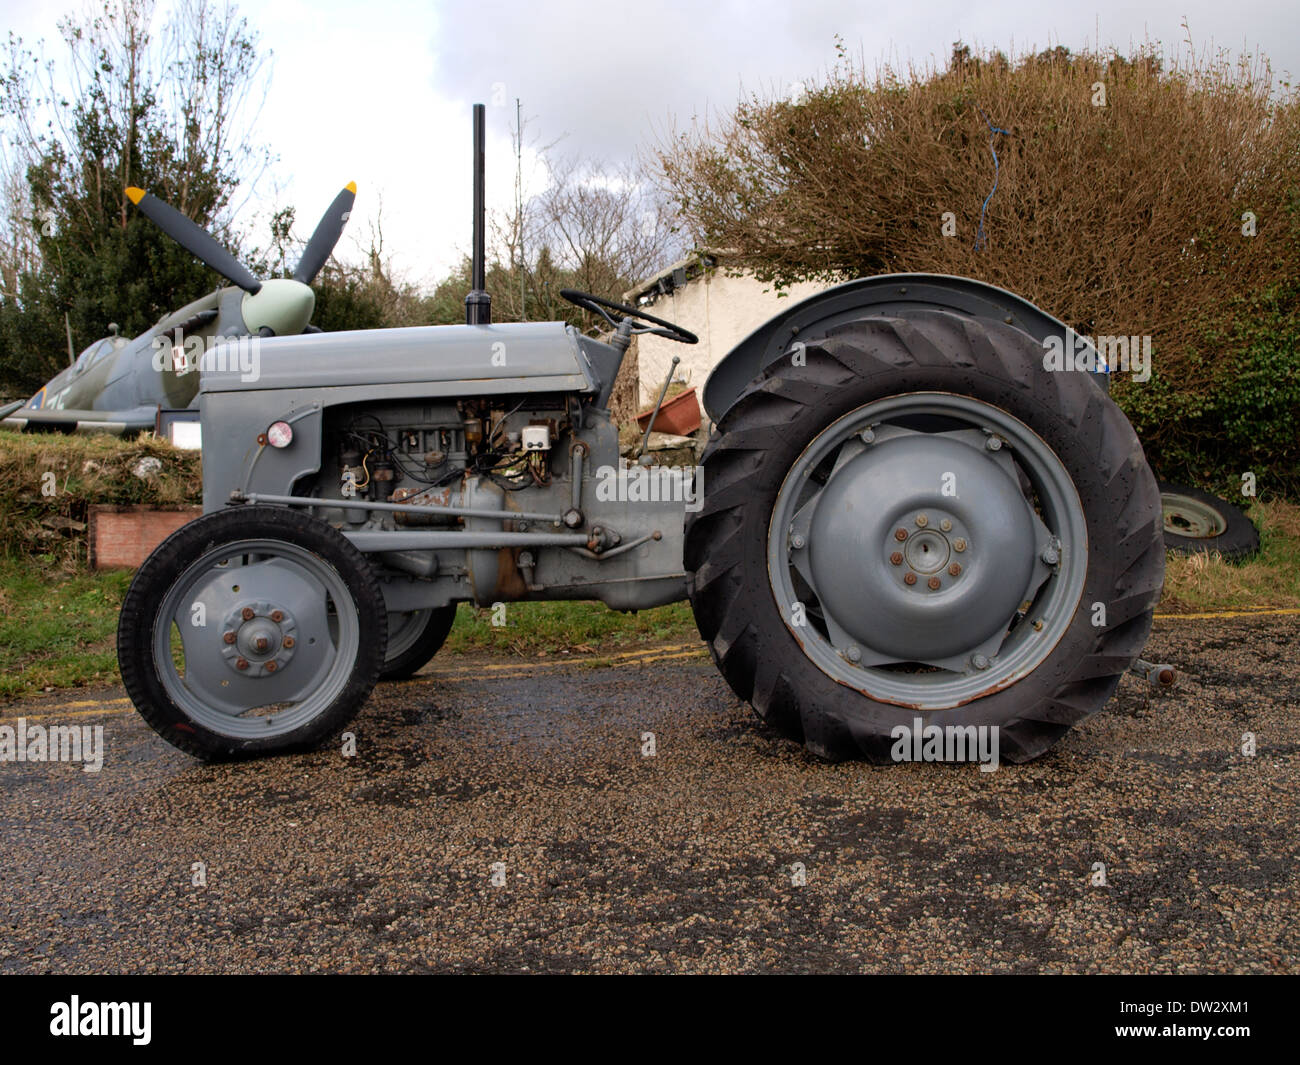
[
  {"x": 328, "y": 231},
  {"x": 280, "y": 306},
  {"x": 193, "y": 238}
]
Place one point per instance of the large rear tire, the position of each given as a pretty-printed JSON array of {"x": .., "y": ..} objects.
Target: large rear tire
[
  {"x": 251, "y": 631},
  {"x": 912, "y": 518}
]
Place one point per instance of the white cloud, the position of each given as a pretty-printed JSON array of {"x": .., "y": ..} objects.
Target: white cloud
[{"x": 379, "y": 92}]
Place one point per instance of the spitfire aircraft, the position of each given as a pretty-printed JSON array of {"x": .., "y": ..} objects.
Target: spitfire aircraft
[{"x": 118, "y": 385}]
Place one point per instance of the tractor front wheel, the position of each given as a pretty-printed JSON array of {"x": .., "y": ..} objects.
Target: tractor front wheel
[{"x": 251, "y": 631}]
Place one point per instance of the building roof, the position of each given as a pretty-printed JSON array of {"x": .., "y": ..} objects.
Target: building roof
[{"x": 678, "y": 275}]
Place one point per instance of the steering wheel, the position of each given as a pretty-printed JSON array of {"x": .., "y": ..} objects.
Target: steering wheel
[{"x": 602, "y": 307}]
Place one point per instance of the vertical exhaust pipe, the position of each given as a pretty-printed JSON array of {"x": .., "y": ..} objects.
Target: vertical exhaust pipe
[{"x": 478, "y": 304}]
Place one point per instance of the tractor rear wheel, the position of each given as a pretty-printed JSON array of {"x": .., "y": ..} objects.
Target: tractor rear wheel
[{"x": 909, "y": 518}]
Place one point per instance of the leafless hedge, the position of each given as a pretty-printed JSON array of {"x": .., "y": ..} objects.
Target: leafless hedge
[{"x": 1128, "y": 188}]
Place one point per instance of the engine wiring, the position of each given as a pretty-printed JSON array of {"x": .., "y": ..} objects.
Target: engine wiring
[
  {"x": 379, "y": 442},
  {"x": 501, "y": 473},
  {"x": 496, "y": 459}
]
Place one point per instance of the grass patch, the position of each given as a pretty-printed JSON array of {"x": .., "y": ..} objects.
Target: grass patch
[
  {"x": 1199, "y": 583},
  {"x": 540, "y": 629},
  {"x": 48, "y": 481},
  {"x": 57, "y": 629}
]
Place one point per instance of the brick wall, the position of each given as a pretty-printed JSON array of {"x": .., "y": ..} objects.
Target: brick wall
[{"x": 122, "y": 536}]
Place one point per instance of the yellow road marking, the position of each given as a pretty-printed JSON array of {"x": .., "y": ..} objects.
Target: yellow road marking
[
  {"x": 626, "y": 658},
  {"x": 1269, "y": 612},
  {"x": 58, "y": 712},
  {"x": 94, "y": 702}
]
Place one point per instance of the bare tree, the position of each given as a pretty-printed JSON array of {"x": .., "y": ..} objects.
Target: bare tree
[
  {"x": 594, "y": 227},
  {"x": 170, "y": 110},
  {"x": 188, "y": 95},
  {"x": 604, "y": 224}
]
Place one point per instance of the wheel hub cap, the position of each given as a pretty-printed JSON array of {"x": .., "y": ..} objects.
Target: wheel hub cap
[
  {"x": 927, "y": 552},
  {"x": 917, "y": 610},
  {"x": 264, "y": 643},
  {"x": 927, "y": 549}
]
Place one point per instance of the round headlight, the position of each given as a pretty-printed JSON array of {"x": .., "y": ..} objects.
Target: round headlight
[{"x": 280, "y": 434}]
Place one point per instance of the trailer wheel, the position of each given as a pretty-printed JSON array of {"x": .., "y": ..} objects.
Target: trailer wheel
[
  {"x": 908, "y": 520},
  {"x": 414, "y": 637},
  {"x": 1196, "y": 521},
  {"x": 251, "y": 631}
]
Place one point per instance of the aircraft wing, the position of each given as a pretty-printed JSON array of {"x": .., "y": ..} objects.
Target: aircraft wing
[{"x": 116, "y": 422}]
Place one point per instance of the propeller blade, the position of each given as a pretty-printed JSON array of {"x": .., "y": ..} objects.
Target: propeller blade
[
  {"x": 193, "y": 238},
  {"x": 328, "y": 231}
]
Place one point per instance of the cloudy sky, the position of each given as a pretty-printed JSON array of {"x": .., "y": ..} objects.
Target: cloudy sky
[{"x": 379, "y": 91}]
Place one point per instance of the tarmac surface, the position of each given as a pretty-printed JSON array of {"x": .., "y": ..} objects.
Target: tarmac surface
[{"x": 504, "y": 816}]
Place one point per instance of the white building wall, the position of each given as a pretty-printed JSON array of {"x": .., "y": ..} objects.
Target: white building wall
[{"x": 721, "y": 311}]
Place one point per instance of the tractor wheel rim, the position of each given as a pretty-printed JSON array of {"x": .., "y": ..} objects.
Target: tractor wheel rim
[
  {"x": 1191, "y": 518},
  {"x": 404, "y": 629},
  {"x": 907, "y": 559},
  {"x": 269, "y": 636}
]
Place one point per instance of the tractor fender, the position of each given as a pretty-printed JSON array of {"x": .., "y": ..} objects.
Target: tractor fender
[{"x": 873, "y": 297}]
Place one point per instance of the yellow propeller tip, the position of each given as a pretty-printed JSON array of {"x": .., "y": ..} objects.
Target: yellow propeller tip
[
  {"x": 351, "y": 186},
  {"x": 133, "y": 194}
]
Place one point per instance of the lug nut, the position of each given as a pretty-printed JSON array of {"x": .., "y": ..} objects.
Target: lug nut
[
  {"x": 945, "y": 525},
  {"x": 980, "y": 662},
  {"x": 954, "y": 570},
  {"x": 853, "y": 654},
  {"x": 271, "y": 667},
  {"x": 1051, "y": 557},
  {"x": 896, "y": 558},
  {"x": 247, "y": 613},
  {"x": 933, "y": 582},
  {"x": 900, "y": 535},
  {"x": 909, "y": 577},
  {"x": 867, "y": 436},
  {"x": 277, "y": 616},
  {"x": 288, "y": 641},
  {"x": 922, "y": 521},
  {"x": 229, "y": 637},
  {"x": 959, "y": 544},
  {"x": 797, "y": 542},
  {"x": 241, "y": 663},
  {"x": 993, "y": 443}
]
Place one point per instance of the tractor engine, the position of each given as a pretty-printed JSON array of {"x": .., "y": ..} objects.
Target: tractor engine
[
  {"x": 533, "y": 467},
  {"x": 424, "y": 456}
]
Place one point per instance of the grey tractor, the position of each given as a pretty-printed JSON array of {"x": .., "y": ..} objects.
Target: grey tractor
[{"x": 900, "y": 513}]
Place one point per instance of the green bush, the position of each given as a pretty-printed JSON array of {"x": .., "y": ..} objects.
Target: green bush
[{"x": 1245, "y": 419}]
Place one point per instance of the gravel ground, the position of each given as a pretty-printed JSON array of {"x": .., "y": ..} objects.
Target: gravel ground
[{"x": 612, "y": 861}]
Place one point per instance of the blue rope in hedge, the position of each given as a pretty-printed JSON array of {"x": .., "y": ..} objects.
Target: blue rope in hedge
[{"x": 993, "y": 132}]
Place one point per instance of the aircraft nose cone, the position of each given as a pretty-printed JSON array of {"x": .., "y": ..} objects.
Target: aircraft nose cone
[{"x": 282, "y": 305}]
